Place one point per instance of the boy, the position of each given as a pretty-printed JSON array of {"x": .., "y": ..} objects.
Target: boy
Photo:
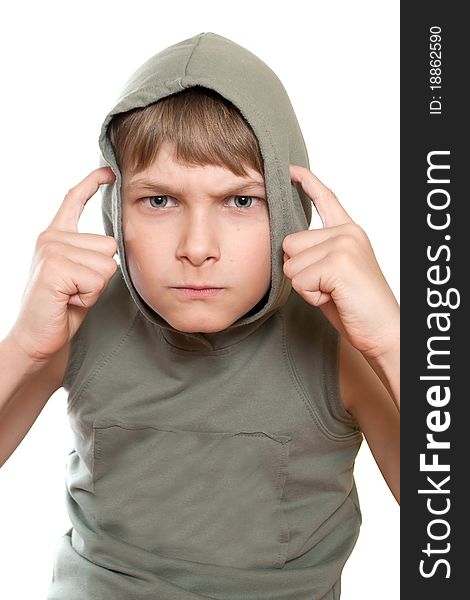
[{"x": 221, "y": 379}]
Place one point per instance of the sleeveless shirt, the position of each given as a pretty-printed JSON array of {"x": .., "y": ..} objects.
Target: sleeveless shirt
[{"x": 209, "y": 465}]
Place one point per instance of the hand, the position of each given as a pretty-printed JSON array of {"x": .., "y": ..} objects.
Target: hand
[
  {"x": 69, "y": 272},
  {"x": 335, "y": 269}
]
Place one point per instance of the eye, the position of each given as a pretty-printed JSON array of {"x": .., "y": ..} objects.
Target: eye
[
  {"x": 244, "y": 201},
  {"x": 157, "y": 201}
]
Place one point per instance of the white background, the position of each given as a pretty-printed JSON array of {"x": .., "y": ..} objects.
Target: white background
[{"x": 62, "y": 68}]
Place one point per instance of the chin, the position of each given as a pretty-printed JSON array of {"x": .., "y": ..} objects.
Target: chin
[{"x": 199, "y": 325}]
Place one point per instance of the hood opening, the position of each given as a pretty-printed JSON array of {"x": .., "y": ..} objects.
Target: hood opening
[{"x": 246, "y": 85}]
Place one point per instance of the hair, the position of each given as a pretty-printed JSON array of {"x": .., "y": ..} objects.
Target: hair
[{"x": 204, "y": 127}]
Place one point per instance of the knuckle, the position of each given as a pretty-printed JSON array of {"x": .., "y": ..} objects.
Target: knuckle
[
  {"x": 343, "y": 243},
  {"x": 362, "y": 234},
  {"x": 43, "y": 237},
  {"x": 49, "y": 249},
  {"x": 286, "y": 243},
  {"x": 356, "y": 231},
  {"x": 353, "y": 236},
  {"x": 112, "y": 243},
  {"x": 112, "y": 266},
  {"x": 103, "y": 283},
  {"x": 304, "y": 170},
  {"x": 101, "y": 280},
  {"x": 341, "y": 258},
  {"x": 70, "y": 192},
  {"x": 48, "y": 267},
  {"x": 98, "y": 172}
]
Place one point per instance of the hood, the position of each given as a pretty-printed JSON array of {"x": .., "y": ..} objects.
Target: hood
[{"x": 213, "y": 61}]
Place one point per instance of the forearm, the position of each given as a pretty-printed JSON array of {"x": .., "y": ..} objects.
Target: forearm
[
  {"x": 16, "y": 371},
  {"x": 25, "y": 387},
  {"x": 387, "y": 368}
]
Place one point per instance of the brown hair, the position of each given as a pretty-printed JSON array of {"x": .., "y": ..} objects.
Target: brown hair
[{"x": 205, "y": 128}]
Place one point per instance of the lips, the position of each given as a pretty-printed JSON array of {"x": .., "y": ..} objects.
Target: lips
[
  {"x": 199, "y": 292},
  {"x": 198, "y": 287}
]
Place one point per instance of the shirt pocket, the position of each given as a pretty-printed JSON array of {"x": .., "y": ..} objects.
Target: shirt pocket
[{"x": 208, "y": 497}]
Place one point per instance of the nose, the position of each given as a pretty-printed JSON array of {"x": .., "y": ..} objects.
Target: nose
[{"x": 199, "y": 238}]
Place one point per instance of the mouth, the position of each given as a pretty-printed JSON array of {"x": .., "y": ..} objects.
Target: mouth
[
  {"x": 198, "y": 287},
  {"x": 199, "y": 291}
]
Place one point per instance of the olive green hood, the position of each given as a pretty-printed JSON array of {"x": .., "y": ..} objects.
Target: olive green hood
[{"x": 217, "y": 63}]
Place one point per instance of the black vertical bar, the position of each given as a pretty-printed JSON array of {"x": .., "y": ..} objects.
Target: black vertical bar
[{"x": 435, "y": 268}]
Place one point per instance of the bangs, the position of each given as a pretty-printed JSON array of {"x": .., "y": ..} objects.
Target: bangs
[{"x": 204, "y": 127}]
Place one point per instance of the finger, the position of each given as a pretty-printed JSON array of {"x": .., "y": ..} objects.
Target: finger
[
  {"x": 303, "y": 259},
  {"x": 296, "y": 242},
  {"x": 82, "y": 285},
  {"x": 96, "y": 261},
  {"x": 326, "y": 203},
  {"x": 66, "y": 218},
  {"x": 105, "y": 244},
  {"x": 313, "y": 285}
]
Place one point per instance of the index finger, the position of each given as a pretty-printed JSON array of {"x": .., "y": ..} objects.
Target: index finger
[
  {"x": 66, "y": 218},
  {"x": 326, "y": 203}
]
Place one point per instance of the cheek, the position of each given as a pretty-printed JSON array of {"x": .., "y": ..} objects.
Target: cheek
[
  {"x": 149, "y": 255},
  {"x": 131, "y": 240},
  {"x": 264, "y": 243},
  {"x": 137, "y": 246},
  {"x": 260, "y": 252},
  {"x": 128, "y": 229}
]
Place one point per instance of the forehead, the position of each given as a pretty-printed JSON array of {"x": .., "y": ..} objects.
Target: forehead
[{"x": 165, "y": 170}]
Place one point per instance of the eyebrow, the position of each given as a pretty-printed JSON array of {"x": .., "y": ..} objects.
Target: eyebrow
[{"x": 162, "y": 186}]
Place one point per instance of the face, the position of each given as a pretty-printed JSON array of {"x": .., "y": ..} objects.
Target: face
[{"x": 197, "y": 241}]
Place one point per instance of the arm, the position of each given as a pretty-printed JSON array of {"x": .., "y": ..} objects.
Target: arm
[
  {"x": 335, "y": 269},
  {"x": 370, "y": 399},
  {"x": 387, "y": 368},
  {"x": 69, "y": 272},
  {"x": 25, "y": 387}
]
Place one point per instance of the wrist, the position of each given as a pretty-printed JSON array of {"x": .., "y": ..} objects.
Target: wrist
[
  {"x": 30, "y": 364},
  {"x": 388, "y": 358},
  {"x": 387, "y": 345},
  {"x": 386, "y": 365}
]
